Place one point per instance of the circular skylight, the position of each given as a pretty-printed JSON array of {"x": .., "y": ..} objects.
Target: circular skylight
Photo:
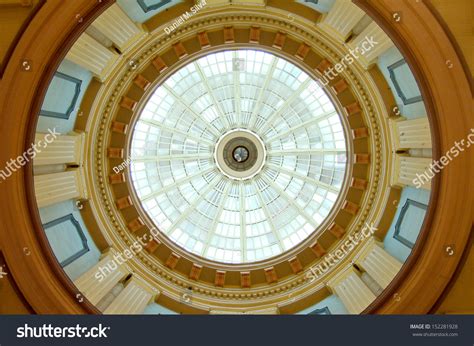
[{"x": 238, "y": 156}]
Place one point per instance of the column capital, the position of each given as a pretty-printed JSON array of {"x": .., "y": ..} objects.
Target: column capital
[
  {"x": 134, "y": 298},
  {"x": 378, "y": 263},
  {"x": 341, "y": 19},
  {"x": 353, "y": 292}
]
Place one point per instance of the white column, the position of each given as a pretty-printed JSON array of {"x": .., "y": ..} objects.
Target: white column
[
  {"x": 93, "y": 56},
  {"x": 65, "y": 149},
  {"x": 58, "y": 187},
  {"x": 353, "y": 292},
  {"x": 378, "y": 263},
  {"x": 427, "y": 152},
  {"x": 119, "y": 28},
  {"x": 410, "y": 134},
  {"x": 374, "y": 32},
  {"x": 133, "y": 299},
  {"x": 109, "y": 297},
  {"x": 371, "y": 283},
  {"x": 341, "y": 19},
  {"x": 407, "y": 170},
  {"x": 98, "y": 281}
]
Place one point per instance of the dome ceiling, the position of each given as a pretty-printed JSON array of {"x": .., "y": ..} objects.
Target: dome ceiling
[
  {"x": 254, "y": 175},
  {"x": 274, "y": 181}
]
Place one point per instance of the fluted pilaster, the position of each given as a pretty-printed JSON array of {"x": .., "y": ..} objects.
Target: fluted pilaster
[
  {"x": 119, "y": 28},
  {"x": 353, "y": 292},
  {"x": 98, "y": 281},
  {"x": 408, "y": 170},
  {"x": 341, "y": 19},
  {"x": 59, "y": 187},
  {"x": 378, "y": 263},
  {"x": 375, "y": 33},
  {"x": 133, "y": 299},
  {"x": 93, "y": 56},
  {"x": 65, "y": 149},
  {"x": 411, "y": 134}
]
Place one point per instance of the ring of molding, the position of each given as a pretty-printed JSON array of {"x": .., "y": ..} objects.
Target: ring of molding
[{"x": 366, "y": 99}]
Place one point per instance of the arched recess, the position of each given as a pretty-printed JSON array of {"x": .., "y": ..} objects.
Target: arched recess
[{"x": 419, "y": 36}]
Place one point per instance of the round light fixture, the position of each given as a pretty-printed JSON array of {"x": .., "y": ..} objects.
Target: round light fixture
[{"x": 240, "y": 154}]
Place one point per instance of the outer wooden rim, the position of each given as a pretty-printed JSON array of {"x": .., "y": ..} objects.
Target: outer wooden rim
[
  {"x": 24, "y": 26},
  {"x": 446, "y": 93},
  {"x": 422, "y": 39},
  {"x": 33, "y": 266}
]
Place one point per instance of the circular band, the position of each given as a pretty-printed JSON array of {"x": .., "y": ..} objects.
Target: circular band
[{"x": 226, "y": 148}]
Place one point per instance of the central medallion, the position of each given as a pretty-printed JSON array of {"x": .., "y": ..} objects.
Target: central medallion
[{"x": 240, "y": 154}]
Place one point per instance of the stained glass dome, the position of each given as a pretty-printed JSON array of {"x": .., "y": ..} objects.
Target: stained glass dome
[{"x": 238, "y": 156}]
